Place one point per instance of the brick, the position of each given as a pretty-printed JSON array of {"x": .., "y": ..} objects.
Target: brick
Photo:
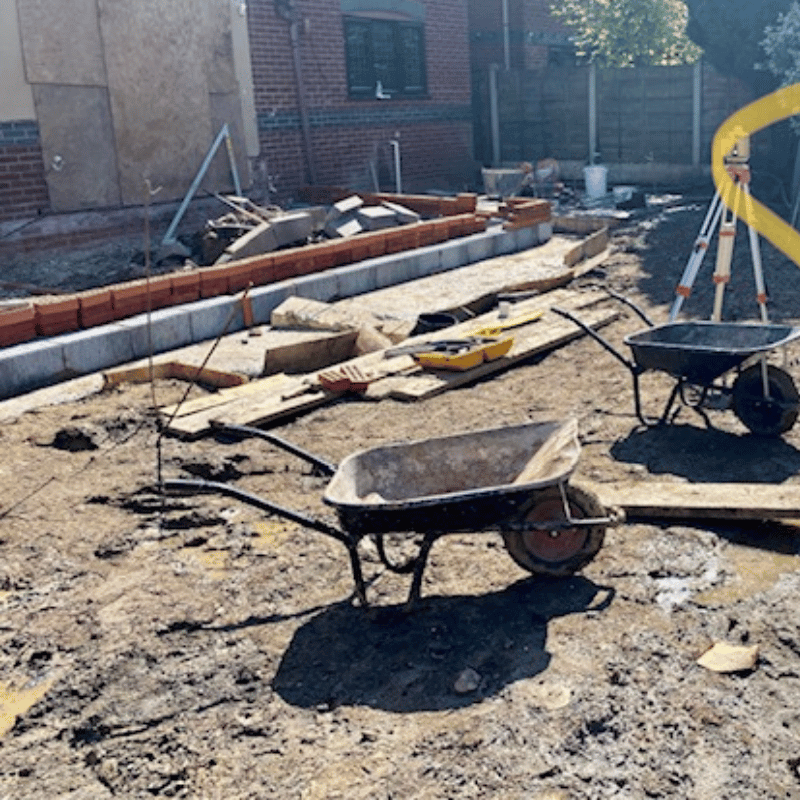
[
  {"x": 185, "y": 287},
  {"x": 17, "y": 325},
  {"x": 56, "y": 316},
  {"x": 95, "y": 308},
  {"x": 214, "y": 281}
]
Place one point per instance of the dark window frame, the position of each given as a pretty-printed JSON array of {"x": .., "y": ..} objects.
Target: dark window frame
[{"x": 404, "y": 77}]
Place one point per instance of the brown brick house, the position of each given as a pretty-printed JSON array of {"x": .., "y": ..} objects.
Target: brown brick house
[{"x": 102, "y": 97}]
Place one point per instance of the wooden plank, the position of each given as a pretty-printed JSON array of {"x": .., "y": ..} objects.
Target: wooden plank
[
  {"x": 712, "y": 501},
  {"x": 528, "y": 341},
  {"x": 266, "y": 400}
]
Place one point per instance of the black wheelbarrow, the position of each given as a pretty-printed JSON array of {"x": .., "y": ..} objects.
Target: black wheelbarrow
[
  {"x": 699, "y": 355},
  {"x": 512, "y": 480}
]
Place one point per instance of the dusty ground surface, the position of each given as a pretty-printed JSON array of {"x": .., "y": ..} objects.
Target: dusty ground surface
[{"x": 195, "y": 647}]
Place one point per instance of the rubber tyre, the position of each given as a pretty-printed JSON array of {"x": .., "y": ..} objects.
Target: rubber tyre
[
  {"x": 762, "y": 417},
  {"x": 562, "y": 552}
]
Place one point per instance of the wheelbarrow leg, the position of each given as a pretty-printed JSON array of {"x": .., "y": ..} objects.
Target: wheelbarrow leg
[
  {"x": 419, "y": 568},
  {"x": 358, "y": 575}
]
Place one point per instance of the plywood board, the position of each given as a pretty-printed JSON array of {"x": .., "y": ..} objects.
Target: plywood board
[
  {"x": 78, "y": 146},
  {"x": 61, "y": 43},
  {"x": 156, "y": 54},
  {"x": 713, "y": 501}
]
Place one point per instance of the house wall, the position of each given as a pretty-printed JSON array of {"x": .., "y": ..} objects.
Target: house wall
[
  {"x": 350, "y": 138},
  {"x": 22, "y": 187}
]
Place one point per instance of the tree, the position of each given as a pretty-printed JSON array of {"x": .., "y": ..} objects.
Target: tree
[
  {"x": 622, "y": 33},
  {"x": 781, "y": 45},
  {"x": 730, "y": 33}
]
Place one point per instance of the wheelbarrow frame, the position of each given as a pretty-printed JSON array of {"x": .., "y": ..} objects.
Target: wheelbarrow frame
[
  {"x": 678, "y": 350},
  {"x": 509, "y": 510}
]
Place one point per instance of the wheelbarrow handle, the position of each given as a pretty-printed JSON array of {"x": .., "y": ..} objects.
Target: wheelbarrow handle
[
  {"x": 245, "y": 430},
  {"x": 635, "y": 370},
  {"x": 631, "y": 305}
]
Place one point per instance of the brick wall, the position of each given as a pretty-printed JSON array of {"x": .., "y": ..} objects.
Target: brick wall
[
  {"x": 23, "y": 191},
  {"x": 346, "y": 135}
]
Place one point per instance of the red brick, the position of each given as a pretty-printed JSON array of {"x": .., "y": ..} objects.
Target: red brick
[
  {"x": 214, "y": 281},
  {"x": 17, "y": 326},
  {"x": 185, "y": 287},
  {"x": 56, "y": 316},
  {"x": 129, "y": 298},
  {"x": 95, "y": 308}
]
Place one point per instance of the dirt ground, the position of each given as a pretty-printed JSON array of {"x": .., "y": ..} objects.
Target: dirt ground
[{"x": 196, "y": 647}]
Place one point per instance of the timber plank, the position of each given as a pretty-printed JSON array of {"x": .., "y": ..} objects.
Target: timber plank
[
  {"x": 712, "y": 501},
  {"x": 269, "y": 399}
]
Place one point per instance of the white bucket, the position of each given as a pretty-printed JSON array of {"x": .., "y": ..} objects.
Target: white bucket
[{"x": 595, "y": 180}]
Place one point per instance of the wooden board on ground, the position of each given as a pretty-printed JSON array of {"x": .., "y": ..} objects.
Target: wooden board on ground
[
  {"x": 712, "y": 501},
  {"x": 549, "y": 332},
  {"x": 266, "y": 400},
  {"x": 541, "y": 268}
]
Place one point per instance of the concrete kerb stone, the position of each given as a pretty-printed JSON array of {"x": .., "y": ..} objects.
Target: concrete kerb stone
[
  {"x": 322, "y": 286},
  {"x": 207, "y": 318},
  {"x": 170, "y": 328},
  {"x": 30, "y": 365},
  {"x": 479, "y": 247},
  {"x": 265, "y": 299},
  {"x": 358, "y": 278},
  {"x": 429, "y": 260},
  {"x": 394, "y": 269},
  {"x": 97, "y": 348},
  {"x": 453, "y": 254}
]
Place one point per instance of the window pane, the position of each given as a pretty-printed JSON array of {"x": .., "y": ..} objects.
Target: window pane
[
  {"x": 360, "y": 76},
  {"x": 385, "y": 55},
  {"x": 413, "y": 59}
]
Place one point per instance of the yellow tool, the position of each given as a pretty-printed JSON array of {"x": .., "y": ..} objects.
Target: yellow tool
[{"x": 495, "y": 330}]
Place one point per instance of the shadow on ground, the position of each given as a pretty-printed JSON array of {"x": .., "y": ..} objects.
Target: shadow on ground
[
  {"x": 709, "y": 455},
  {"x": 384, "y": 658}
]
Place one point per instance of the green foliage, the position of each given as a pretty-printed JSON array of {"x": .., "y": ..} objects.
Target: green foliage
[
  {"x": 781, "y": 44},
  {"x": 731, "y": 32},
  {"x": 623, "y": 33}
]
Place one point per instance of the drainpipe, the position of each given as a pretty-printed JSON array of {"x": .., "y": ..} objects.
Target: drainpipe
[
  {"x": 305, "y": 125},
  {"x": 506, "y": 37},
  {"x": 398, "y": 182}
]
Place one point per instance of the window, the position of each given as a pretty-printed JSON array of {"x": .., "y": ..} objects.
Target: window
[{"x": 385, "y": 58}]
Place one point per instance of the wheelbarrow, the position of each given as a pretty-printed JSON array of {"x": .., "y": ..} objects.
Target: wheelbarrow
[
  {"x": 702, "y": 356},
  {"x": 511, "y": 480}
]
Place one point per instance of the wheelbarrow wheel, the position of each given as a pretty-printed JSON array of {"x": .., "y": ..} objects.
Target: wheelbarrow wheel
[
  {"x": 562, "y": 550},
  {"x": 764, "y": 416}
]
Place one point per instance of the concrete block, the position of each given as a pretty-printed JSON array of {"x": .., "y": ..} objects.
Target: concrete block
[
  {"x": 208, "y": 317},
  {"x": 544, "y": 231},
  {"x": 402, "y": 214},
  {"x": 505, "y": 243},
  {"x": 358, "y": 278},
  {"x": 323, "y": 287},
  {"x": 265, "y": 299},
  {"x": 292, "y": 228},
  {"x": 261, "y": 239},
  {"x": 170, "y": 328},
  {"x": 453, "y": 254},
  {"x": 429, "y": 261},
  {"x": 346, "y": 206},
  {"x": 395, "y": 269},
  {"x": 526, "y": 237},
  {"x": 97, "y": 348},
  {"x": 375, "y": 218},
  {"x": 319, "y": 216},
  {"x": 479, "y": 247},
  {"x": 30, "y": 365},
  {"x": 344, "y": 226}
]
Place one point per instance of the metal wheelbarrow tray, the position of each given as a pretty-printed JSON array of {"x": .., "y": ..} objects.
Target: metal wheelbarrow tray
[
  {"x": 697, "y": 353},
  {"x": 512, "y": 480}
]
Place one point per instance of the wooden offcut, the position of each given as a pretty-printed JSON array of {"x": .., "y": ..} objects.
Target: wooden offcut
[{"x": 702, "y": 501}]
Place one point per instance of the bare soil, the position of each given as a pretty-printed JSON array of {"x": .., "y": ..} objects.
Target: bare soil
[{"x": 196, "y": 647}]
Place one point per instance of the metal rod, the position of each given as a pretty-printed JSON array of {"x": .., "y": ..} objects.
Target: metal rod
[
  {"x": 246, "y": 430},
  {"x": 169, "y": 236}
]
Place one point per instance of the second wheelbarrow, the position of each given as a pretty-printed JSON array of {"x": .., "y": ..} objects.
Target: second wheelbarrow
[
  {"x": 697, "y": 354},
  {"x": 511, "y": 480}
]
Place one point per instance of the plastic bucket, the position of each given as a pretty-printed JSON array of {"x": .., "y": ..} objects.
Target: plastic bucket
[
  {"x": 595, "y": 180},
  {"x": 428, "y": 323}
]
